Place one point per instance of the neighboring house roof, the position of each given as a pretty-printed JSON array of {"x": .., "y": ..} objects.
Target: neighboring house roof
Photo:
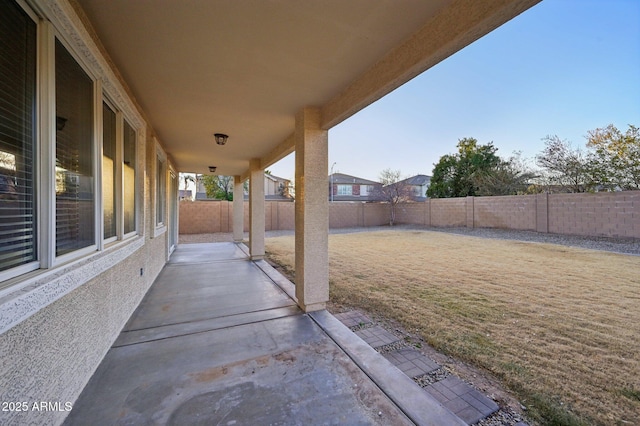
[
  {"x": 418, "y": 180},
  {"x": 275, "y": 178},
  {"x": 341, "y": 178}
]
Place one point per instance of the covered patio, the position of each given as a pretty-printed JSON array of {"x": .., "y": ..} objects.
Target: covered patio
[
  {"x": 231, "y": 89},
  {"x": 219, "y": 339},
  {"x": 116, "y": 98}
]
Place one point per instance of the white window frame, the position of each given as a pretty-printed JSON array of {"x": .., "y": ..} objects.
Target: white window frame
[
  {"x": 160, "y": 157},
  {"x": 36, "y": 264},
  {"x": 106, "y": 241},
  {"x": 172, "y": 202},
  {"x": 50, "y": 26},
  {"x": 96, "y": 154},
  {"x": 119, "y": 171},
  {"x": 344, "y": 189},
  {"x": 137, "y": 186}
]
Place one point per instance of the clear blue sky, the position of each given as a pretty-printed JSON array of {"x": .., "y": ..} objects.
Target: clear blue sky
[{"x": 561, "y": 68}]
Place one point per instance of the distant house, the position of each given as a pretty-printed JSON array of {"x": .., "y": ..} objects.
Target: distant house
[
  {"x": 419, "y": 185},
  {"x": 350, "y": 188},
  {"x": 275, "y": 188}
]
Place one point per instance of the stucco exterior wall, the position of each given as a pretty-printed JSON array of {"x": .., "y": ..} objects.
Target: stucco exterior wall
[
  {"x": 57, "y": 324},
  {"x": 52, "y": 354}
]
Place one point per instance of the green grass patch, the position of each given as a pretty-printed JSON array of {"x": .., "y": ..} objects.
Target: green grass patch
[
  {"x": 630, "y": 392},
  {"x": 549, "y": 411}
]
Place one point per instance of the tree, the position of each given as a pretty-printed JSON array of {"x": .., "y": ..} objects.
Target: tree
[
  {"x": 444, "y": 178},
  {"x": 567, "y": 167},
  {"x": 508, "y": 177},
  {"x": 218, "y": 187},
  {"x": 393, "y": 190},
  {"x": 458, "y": 175},
  {"x": 615, "y": 160},
  {"x": 288, "y": 190}
]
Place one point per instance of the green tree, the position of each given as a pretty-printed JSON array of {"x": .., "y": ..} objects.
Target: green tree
[
  {"x": 218, "y": 187},
  {"x": 615, "y": 157},
  {"x": 460, "y": 174}
]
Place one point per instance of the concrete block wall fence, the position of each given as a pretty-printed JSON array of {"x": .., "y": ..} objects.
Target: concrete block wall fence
[{"x": 611, "y": 214}]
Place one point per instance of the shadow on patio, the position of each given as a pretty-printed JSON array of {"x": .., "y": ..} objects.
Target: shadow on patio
[{"x": 219, "y": 340}]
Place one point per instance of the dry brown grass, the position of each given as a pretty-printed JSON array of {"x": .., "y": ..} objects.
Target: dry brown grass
[{"x": 559, "y": 326}]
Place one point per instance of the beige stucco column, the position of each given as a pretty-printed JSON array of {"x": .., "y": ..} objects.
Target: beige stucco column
[
  {"x": 312, "y": 211},
  {"x": 238, "y": 210},
  {"x": 256, "y": 210}
]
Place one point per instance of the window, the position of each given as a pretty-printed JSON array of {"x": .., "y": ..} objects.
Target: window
[
  {"x": 118, "y": 179},
  {"x": 161, "y": 189},
  {"x": 109, "y": 183},
  {"x": 129, "y": 179},
  {"x": 173, "y": 210},
  {"x": 17, "y": 137},
  {"x": 48, "y": 140},
  {"x": 344, "y": 190},
  {"x": 75, "y": 207}
]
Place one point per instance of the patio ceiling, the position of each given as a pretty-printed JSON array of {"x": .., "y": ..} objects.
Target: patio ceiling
[{"x": 246, "y": 67}]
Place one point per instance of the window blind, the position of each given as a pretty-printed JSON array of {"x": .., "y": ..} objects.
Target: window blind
[
  {"x": 17, "y": 121},
  {"x": 75, "y": 207}
]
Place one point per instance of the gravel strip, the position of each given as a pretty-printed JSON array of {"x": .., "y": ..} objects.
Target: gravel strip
[
  {"x": 616, "y": 245},
  {"x": 430, "y": 378}
]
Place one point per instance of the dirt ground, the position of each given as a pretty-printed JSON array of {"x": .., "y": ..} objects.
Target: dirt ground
[{"x": 556, "y": 326}]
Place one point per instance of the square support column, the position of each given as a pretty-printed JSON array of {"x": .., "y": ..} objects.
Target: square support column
[
  {"x": 238, "y": 210},
  {"x": 312, "y": 211},
  {"x": 256, "y": 210}
]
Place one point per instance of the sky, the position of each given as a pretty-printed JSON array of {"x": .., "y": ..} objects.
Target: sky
[{"x": 563, "y": 67}]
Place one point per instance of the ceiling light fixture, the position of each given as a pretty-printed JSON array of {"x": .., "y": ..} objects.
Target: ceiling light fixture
[
  {"x": 212, "y": 169},
  {"x": 221, "y": 138}
]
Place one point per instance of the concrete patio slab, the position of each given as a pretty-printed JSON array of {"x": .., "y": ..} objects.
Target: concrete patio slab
[
  {"x": 232, "y": 348},
  {"x": 261, "y": 373},
  {"x": 186, "y": 292},
  {"x": 207, "y": 252}
]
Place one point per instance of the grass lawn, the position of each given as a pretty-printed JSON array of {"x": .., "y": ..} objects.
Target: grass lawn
[{"x": 559, "y": 326}]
